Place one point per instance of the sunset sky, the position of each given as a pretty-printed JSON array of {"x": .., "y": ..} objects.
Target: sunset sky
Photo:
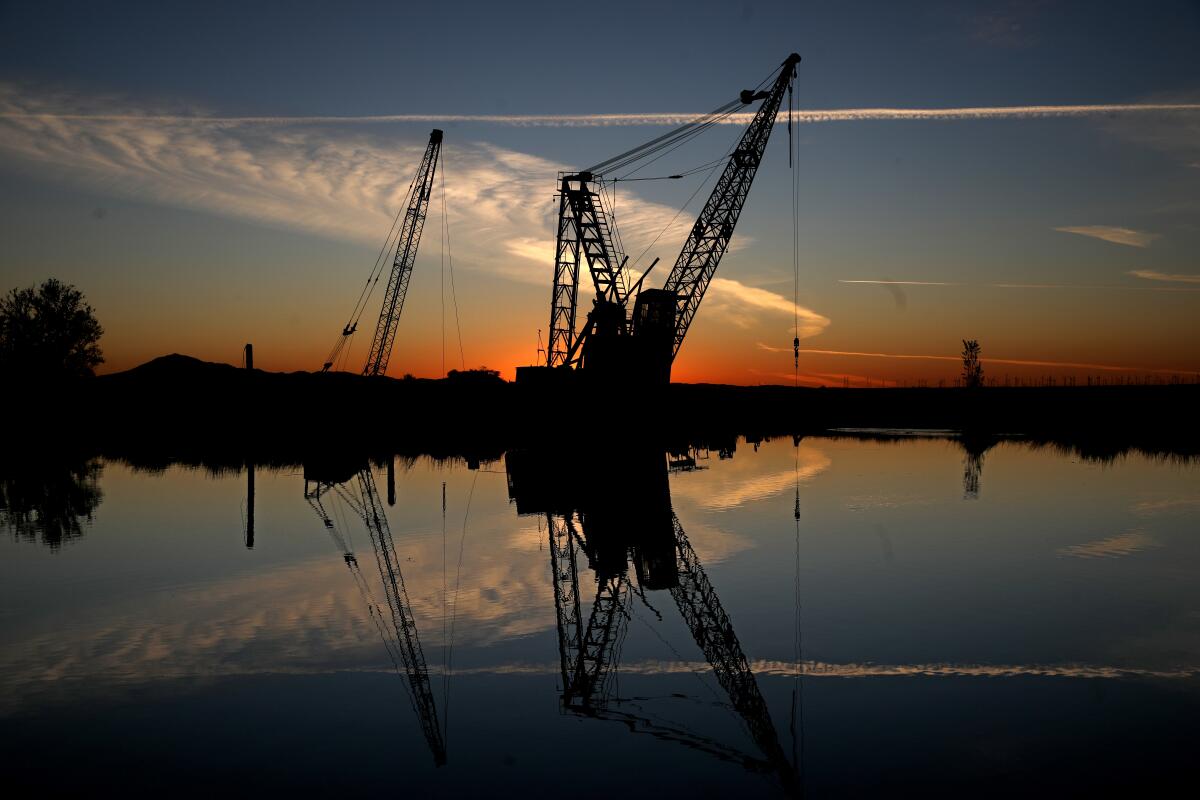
[{"x": 211, "y": 174}]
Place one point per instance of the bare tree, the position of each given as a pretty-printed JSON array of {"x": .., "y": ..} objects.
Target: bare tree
[{"x": 972, "y": 374}]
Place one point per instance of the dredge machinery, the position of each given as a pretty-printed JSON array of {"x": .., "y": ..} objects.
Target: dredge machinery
[
  {"x": 408, "y": 239},
  {"x": 631, "y": 334},
  {"x": 592, "y": 534},
  {"x": 356, "y": 488}
]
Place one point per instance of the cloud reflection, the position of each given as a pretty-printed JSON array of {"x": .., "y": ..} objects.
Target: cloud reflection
[{"x": 1123, "y": 544}]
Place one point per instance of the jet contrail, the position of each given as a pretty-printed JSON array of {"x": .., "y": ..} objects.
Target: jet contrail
[
  {"x": 629, "y": 120},
  {"x": 1013, "y": 361}
]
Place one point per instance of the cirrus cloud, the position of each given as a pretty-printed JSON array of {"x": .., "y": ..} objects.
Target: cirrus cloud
[
  {"x": 1154, "y": 275},
  {"x": 743, "y": 305},
  {"x": 1108, "y": 233},
  {"x": 338, "y": 182}
]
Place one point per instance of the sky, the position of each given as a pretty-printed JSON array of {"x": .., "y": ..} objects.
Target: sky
[{"x": 1022, "y": 173}]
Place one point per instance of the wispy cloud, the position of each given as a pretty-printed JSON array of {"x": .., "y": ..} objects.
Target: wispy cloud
[
  {"x": 1011, "y": 361},
  {"x": 1154, "y": 275},
  {"x": 894, "y": 285},
  {"x": 1123, "y": 544},
  {"x": 49, "y": 114},
  {"x": 743, "y": 305},
  {"x": 903, "y": 283},
  {"x": 827, "y": 669},
  {"x": 1175, "y": 135},
  {"x": 340, "y": 183},
  {"x": 1125, "y": 236},
  {"x": 814, "y": 378},
  {"x": 736, "y": 491},
  {"x": 1149, "y": 507}
]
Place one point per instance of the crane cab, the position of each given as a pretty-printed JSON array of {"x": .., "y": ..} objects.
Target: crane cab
[{"x": 654, "y": 333}]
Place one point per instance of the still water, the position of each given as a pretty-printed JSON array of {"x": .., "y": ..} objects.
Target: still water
[{"x": 828, "y": 617}]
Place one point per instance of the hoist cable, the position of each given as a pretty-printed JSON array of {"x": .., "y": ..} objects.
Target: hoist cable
[
  {"x": 673, "y": 140},
  {"x": 629, "y": 156},
  {"x": 684, "y": 174},
  {"x": 794, "y": 163},
  {"x": 454, "y": 614},
  {"x": 442, "y": 286},
  {"x": 368, "y": 289},
  {"x": 685, "y": 131},
  {"x": 462, "y": 359},
  {"x": 711, "y": 170},
  {"x": 669, "y": 147},
  {"x": 680, "y": 134}
]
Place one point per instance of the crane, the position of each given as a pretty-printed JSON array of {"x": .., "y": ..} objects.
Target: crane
[
  {"x": 641, "y": 342},
  {"x": 578, "y": 522},
  {"x": 407, "y": 241},
  {"x": 587, "y": 651},
  {"x": 401, "y": 641}
]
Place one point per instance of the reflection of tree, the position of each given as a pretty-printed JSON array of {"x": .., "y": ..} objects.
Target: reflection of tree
[
  {"x": 974, "y": 445},
  {"x": 972, "y": 468},
  {"x": 49, "y": 500}
]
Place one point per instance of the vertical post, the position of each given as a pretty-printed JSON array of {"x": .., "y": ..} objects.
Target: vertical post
[
  {"x": 391, "y": 480},
  {"x": 250, "y": 505},
  {"x": 249, "y": 365}
]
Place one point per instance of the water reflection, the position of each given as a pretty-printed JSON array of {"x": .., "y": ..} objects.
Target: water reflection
[
  {"x": 1057, "y": 605},
  {"x": 612, "y": 527},
  {"x": 974, "y": 446},
  {"x": 401, "y": 640},
  {"x": 47, "y": 500}
]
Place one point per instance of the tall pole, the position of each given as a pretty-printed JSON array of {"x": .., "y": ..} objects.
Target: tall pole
[{"x": 250, "y": 506}]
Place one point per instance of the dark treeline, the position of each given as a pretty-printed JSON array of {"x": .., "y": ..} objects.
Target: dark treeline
[{"x": 180, "y": 410}]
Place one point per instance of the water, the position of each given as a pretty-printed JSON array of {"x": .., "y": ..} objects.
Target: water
[{"x": 1024, "y": 620}]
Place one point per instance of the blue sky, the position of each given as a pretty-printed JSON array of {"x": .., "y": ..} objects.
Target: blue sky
[{"x": 197, "y": 237}]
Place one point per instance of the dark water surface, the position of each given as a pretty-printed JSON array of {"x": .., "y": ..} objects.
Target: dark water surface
[{"x": 1025, "y": 622}]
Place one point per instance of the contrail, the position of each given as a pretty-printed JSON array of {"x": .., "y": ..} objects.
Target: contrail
[
  {"x": 1013, "y": 361},
  {"x": 902, "y": 283},
  {"x": 630, "y": 120}
]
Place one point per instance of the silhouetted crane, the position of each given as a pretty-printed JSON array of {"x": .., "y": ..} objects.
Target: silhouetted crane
[
  {"x": 610, "y": 535},
  {"x": 407, "y": 241},
  {"x": 402, "y": 642},
  {"x": 642, "y": 342}
]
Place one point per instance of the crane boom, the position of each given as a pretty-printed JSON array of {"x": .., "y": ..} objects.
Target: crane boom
[
  {"x": 713, "y": 631},
  {"x": 402, "y": 643},
  {"x": 406, "y": 626},
  {"x": 710, "y": 236},
  {"x": 402, "y": 264},
  {"x": 635, "y": 343},
  {"x": 589, "y": 650}
]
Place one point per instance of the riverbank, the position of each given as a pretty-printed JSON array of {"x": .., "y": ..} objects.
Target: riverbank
[{"x": 178, "y": 406}]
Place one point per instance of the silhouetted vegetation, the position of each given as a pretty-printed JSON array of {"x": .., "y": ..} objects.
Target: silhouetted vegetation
[
  {"x": 972, "y": 374},
  {"x": 43, "y": 498},
  {"x": 481, "y": 375},
  {"x": 178, "y": 409},
  {"x": 48, "y": 333}
]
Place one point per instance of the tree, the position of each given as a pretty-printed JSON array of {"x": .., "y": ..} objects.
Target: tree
[
  {"x": 48, "y": 332},
  {"x": 972, "y": 374}
]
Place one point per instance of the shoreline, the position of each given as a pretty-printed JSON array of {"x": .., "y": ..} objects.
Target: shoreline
[{"x": 176, "y": 406}]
